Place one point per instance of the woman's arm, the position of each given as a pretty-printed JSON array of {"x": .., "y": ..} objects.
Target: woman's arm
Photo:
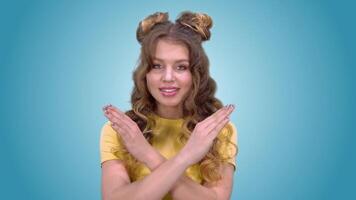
[
  {"x": 186, "y": 188},
  {"x": 116, "y": 183},
  {"x": 163, "y": 178},
  {"x": 153, "y": 186},
  {"x": 113, "y": 176}
]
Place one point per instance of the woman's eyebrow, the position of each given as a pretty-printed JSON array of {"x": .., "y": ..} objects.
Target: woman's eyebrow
[{"x": 179, "y": 60}]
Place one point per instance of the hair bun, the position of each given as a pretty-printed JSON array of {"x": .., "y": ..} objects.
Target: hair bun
[
  {"x": 146, "y": 25},
  {"x": 199, "y": 22}
]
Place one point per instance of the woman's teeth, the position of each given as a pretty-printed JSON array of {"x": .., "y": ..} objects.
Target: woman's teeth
[{"x": 169, "y": 92}]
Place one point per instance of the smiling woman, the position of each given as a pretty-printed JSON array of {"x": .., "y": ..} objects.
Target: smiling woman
[
  {"x": 170, "y": 80},
  {"x": 177, "y": 141}
]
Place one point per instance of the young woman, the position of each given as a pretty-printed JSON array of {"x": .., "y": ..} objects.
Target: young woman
[{"x": 177, "y": 141}]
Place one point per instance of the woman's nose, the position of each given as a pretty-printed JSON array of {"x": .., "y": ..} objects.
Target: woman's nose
[{"x": 168, "y": 75}]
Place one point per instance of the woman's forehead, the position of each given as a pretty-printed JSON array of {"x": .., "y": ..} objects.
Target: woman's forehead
[{"x": 170, "y": 51}]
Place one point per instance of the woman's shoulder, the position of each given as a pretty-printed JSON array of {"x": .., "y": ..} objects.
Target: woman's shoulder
[
  {"x": 109, "y": 136},
  {"x": 107, "y": 130}
]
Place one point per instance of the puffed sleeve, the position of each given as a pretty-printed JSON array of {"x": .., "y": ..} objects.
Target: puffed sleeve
[
  {"x": 228, "y": 149},
  {"x": 111, "y": 146}
]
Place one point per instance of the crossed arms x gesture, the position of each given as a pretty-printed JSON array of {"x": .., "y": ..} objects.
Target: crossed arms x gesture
[{"x": 167, "y": 175}]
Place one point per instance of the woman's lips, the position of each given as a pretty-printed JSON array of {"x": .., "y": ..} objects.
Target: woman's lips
[{"x": 169, "y": 91}]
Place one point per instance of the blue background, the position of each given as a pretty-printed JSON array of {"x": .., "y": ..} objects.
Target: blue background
[{"x": 287, "y": 65}]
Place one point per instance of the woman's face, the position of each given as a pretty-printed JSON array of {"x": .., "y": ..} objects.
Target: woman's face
[{"x": 170, "y": 80}]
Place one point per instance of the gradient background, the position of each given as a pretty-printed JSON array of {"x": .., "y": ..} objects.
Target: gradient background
[{"x": 287, "y": 65}]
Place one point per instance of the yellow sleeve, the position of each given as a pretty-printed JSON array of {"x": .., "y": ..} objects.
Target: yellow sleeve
[
  {"x": 110, "y": 144},
  {"x": 227, "y": 149}
]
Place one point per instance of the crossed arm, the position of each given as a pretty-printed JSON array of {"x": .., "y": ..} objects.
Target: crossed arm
[
  {"x": 116, "y": 184},
  {"x": 167, "y": 175}
]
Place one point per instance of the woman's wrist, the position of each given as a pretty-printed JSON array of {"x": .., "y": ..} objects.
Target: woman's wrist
[
  {"x": 154, "y": 159},
  {"x": 182, "y": 159}
]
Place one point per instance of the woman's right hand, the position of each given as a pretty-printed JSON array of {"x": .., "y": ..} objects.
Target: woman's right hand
[{"x": 203, "y": 135}]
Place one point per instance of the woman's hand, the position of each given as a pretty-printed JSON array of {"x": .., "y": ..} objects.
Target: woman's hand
[
  {"x": 203, "y": 135},
  {"x": 131, "y": 135}
]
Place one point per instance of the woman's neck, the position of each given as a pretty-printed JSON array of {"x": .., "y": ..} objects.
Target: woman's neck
[{"x": 170, "y": 112}]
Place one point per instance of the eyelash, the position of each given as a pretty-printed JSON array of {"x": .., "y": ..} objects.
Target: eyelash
[
  {"x": 183, "y": 66},
  {"x": 180, "y": 67},
  {"x": 154, "y": 66}
]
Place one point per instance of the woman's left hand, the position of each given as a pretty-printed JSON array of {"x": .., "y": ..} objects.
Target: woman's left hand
[{"x": 132, "y": 136}]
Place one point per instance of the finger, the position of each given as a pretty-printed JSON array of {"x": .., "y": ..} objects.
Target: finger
[
  {"x": 117, "y": 110},
  {"x": 126, "y": 119},
  {"x": 121, "y": 121},
  {"x": 115, "y": 120},
  {"x": 119, "y": 130},
  {"x": 124, "y": 124},
  {"x": 212, "y": 135},
  {"x": 219, "y": 118},
  {"x": 221, "y": 112},
  {"x": 203, "y": 124},
  {"x": 105, "y": 107},
  {"x": 109, "y": 116},
  {"x": 117, "y": 124},
  {"x": 122, "y": 114},
  {"x": 113, "y": 112}
]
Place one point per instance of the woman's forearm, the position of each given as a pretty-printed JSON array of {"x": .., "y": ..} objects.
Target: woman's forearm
[
  {"x": 155, "y": 185},
  {"x": 184, "y": 188}
]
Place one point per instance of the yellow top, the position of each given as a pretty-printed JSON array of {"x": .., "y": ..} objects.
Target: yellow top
[{"x": 165, "y": 140}]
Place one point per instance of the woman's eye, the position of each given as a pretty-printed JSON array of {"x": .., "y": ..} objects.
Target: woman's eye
[
  {"x": 156, "y": 66},
  {"x": 182, "y": 67}
]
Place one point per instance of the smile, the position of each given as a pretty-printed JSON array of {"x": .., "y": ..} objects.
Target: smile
[{"x": 169, "y": 91}]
